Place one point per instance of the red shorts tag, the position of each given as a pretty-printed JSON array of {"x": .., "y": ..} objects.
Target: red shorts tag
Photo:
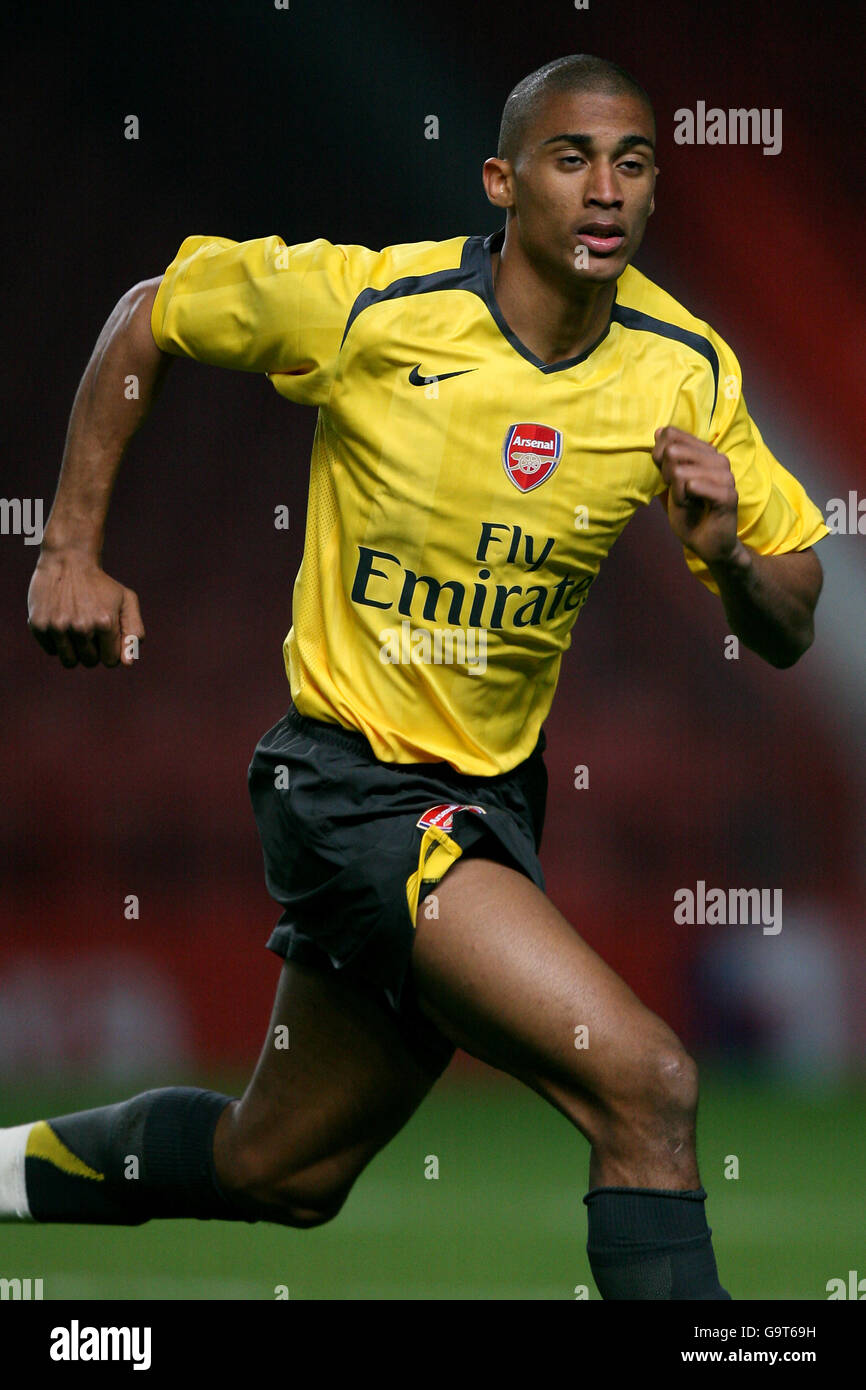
[{"x": 443, "y": 816}]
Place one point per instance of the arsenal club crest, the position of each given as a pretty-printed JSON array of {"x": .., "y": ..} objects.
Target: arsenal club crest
[{"x": 530, "y": 454}]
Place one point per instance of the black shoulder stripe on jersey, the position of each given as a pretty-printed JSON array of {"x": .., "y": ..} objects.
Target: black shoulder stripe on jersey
[
  {"x": 474, "y": 275},
  {"x": 461, "y": 277},
  {"x": 633, "y": 318}
]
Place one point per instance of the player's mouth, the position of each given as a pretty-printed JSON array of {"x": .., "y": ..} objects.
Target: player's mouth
[{"x": 603, "y": 238}]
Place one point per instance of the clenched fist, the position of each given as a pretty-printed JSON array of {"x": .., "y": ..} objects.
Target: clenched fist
[
  {"x": 702, "y": 496},
  {"x": 79, "y": 613}
]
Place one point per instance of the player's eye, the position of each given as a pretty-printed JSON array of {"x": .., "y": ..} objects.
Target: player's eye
[
  {"x": 632, "y": 164},
  {"x": 571, "y": 159}
]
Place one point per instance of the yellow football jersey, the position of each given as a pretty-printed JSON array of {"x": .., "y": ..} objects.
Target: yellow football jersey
[{"x": 463, "y": 493}]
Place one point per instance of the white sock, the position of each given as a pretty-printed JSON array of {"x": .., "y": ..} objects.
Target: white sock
[{"x": 13, "y": 1186}]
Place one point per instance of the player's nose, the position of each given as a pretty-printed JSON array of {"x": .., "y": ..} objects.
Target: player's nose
[{"x": 602, "y": 186}]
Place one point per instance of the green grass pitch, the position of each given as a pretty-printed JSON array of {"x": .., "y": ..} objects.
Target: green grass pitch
[{"x": 503, "y": 1219}]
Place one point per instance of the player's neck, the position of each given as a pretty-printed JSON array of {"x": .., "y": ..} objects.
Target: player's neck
[{"x": 556, "y": 326}]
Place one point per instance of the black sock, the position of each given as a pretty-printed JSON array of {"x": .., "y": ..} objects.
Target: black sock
[
  {"x": 123, "y": 1164},
  {"x": 647, "y": 1243}
]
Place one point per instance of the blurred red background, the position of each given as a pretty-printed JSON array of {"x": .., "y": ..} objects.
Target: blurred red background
[{"x": 133, "y": 782}]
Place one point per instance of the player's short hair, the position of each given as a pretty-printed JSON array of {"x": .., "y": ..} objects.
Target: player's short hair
[{"x": 579, "y": 72}]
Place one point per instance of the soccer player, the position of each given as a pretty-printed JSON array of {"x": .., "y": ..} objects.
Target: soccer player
[{"x": 491, "y": 412}]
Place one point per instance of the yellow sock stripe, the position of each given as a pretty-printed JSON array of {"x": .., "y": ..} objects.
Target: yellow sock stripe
[
  {"x": 42, "y": 1142},
  {"x": 437, "y": 853}
]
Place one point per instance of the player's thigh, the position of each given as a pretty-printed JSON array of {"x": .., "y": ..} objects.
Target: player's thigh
[
  {"x": 506, "y": 977},
  {"x": 334, "y": 1082}
]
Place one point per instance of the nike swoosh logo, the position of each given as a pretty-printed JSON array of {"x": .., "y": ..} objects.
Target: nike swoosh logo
[{"x": 417, "y": 380}]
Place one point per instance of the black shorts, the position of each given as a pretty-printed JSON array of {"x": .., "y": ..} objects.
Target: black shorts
[{"x": 352, "y": 845}]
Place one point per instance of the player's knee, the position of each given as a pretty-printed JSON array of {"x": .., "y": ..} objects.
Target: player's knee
[
  {"x": 313, "y": 1197},
  {"x": 292, "y": 1204},
  {"x": 303, "y": 1217},
  {"x": 652, "y": 1097},
  {"x": 661, "y": 1093},
  {"x": 268, "y": 1185},
  {"x": 674, "y": 1081}
]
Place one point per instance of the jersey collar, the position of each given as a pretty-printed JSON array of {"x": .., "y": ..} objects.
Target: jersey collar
[{"x": 476, "y": 254}]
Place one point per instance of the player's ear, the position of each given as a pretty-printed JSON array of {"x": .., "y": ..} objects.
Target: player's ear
[{"x": 496, "y": 174}]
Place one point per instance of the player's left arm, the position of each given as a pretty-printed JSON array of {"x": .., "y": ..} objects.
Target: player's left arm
[{"x": 769, "y": 600}]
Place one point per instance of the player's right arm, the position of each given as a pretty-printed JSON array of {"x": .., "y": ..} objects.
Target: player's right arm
[
  {"x": 76, "y": 611},
  {"x": 254, "y": 306}
]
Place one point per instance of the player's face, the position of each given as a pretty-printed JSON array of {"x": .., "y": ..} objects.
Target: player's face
[{"x": 582, "y": 187}]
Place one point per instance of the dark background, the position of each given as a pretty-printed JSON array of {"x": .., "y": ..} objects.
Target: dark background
[{"x": 310, "y": 122}]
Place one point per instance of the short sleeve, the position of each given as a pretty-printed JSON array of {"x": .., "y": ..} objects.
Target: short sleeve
[
  {"x": 775, "y": 513},
  {"x": 262, "y": 306}
]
